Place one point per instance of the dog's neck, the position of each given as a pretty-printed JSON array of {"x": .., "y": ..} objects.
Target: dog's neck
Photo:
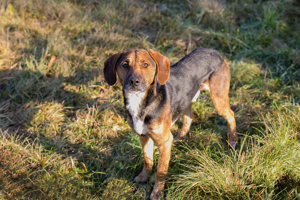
[
  {"x": 139, "y": 104},
  {"x": 133, "y": 103}
]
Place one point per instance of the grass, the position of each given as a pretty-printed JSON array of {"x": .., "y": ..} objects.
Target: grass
[
  {"x": 63, "y": 133},
  {"x": 255, "y": 170}
]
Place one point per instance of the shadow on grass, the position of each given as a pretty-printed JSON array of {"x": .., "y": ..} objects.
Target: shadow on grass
[
  {"x": 102, "y": 162},
  {"x": 106, "y": 164},
  {"x": 90, "y": 173}
]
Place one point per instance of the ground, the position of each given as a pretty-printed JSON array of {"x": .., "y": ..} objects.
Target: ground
[{"x": 63, "y": 133}]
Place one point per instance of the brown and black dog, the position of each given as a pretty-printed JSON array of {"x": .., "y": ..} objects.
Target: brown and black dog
[{"x": 155, "y": 95}]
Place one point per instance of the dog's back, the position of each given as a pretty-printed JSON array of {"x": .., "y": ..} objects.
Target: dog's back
[{"x": 188, "y": 75}]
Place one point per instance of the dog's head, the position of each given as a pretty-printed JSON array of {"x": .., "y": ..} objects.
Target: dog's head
[{"x": 137, "y": 69}]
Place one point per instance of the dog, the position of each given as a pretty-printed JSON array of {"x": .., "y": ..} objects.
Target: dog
[{"x": 155, "y": 95}]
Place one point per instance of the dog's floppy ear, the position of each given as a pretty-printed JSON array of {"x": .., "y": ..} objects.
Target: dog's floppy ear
[
  {"x": 163, "y": 66},
  {"x": 109, "y": 70}
]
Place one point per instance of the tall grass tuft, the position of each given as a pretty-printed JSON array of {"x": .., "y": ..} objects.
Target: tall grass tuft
[{"x": 254, "y": 171}]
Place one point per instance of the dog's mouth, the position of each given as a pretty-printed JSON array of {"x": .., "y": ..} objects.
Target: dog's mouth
[
  {"x": 134, "y": 92},
  {"x": 134, "y": 89}
]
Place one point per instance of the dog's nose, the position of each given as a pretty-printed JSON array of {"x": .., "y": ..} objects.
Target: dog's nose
[{"x": 134, "y": 80}]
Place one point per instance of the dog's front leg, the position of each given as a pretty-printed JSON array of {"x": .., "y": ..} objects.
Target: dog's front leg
[
  {"x": 164, "y": 148},
  {"x": 147, "y": 145}
]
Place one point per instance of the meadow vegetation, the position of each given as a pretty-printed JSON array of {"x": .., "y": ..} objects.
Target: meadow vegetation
[{"x": 63, "y": 133}]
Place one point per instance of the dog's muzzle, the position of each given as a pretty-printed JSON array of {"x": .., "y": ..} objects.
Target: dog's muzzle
[
  {"x": 134, "y": 81},
  {"x": 134, "y": 84}
]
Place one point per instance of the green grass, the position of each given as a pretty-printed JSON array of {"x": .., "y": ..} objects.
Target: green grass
[{"x": 63, "y": 133}]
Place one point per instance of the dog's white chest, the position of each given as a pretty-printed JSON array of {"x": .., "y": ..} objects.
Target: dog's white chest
[{"x": 133, "y": 106}]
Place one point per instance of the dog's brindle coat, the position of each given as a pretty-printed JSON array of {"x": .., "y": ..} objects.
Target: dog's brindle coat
[{"x": 155, "y": 95}]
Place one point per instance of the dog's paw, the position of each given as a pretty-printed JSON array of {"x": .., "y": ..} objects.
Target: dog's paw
[
  {"x": 233, "y": 140},
  {"x": 232, "y": 144},
  {"x": 179, "y": 137},
  {"x": 156, "y": 194},
  {"x": 141, "y": 178}
]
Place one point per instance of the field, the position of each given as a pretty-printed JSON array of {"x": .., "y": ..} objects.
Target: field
[{"x": 63, "y": 133}]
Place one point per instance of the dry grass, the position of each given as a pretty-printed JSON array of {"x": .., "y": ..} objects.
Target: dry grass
[{"x": 63, "y": 133}]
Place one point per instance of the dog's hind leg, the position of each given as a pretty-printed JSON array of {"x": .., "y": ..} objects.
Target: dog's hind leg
[
  {"x": 219, "y": 84},
  {"x": 147, "y": 145},
  {"x": 186, "y": 122}
]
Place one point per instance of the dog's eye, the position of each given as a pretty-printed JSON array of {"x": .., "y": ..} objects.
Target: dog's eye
[
  {"x": 125, "y": 65},
  {"x": 145, "y": 65}
]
